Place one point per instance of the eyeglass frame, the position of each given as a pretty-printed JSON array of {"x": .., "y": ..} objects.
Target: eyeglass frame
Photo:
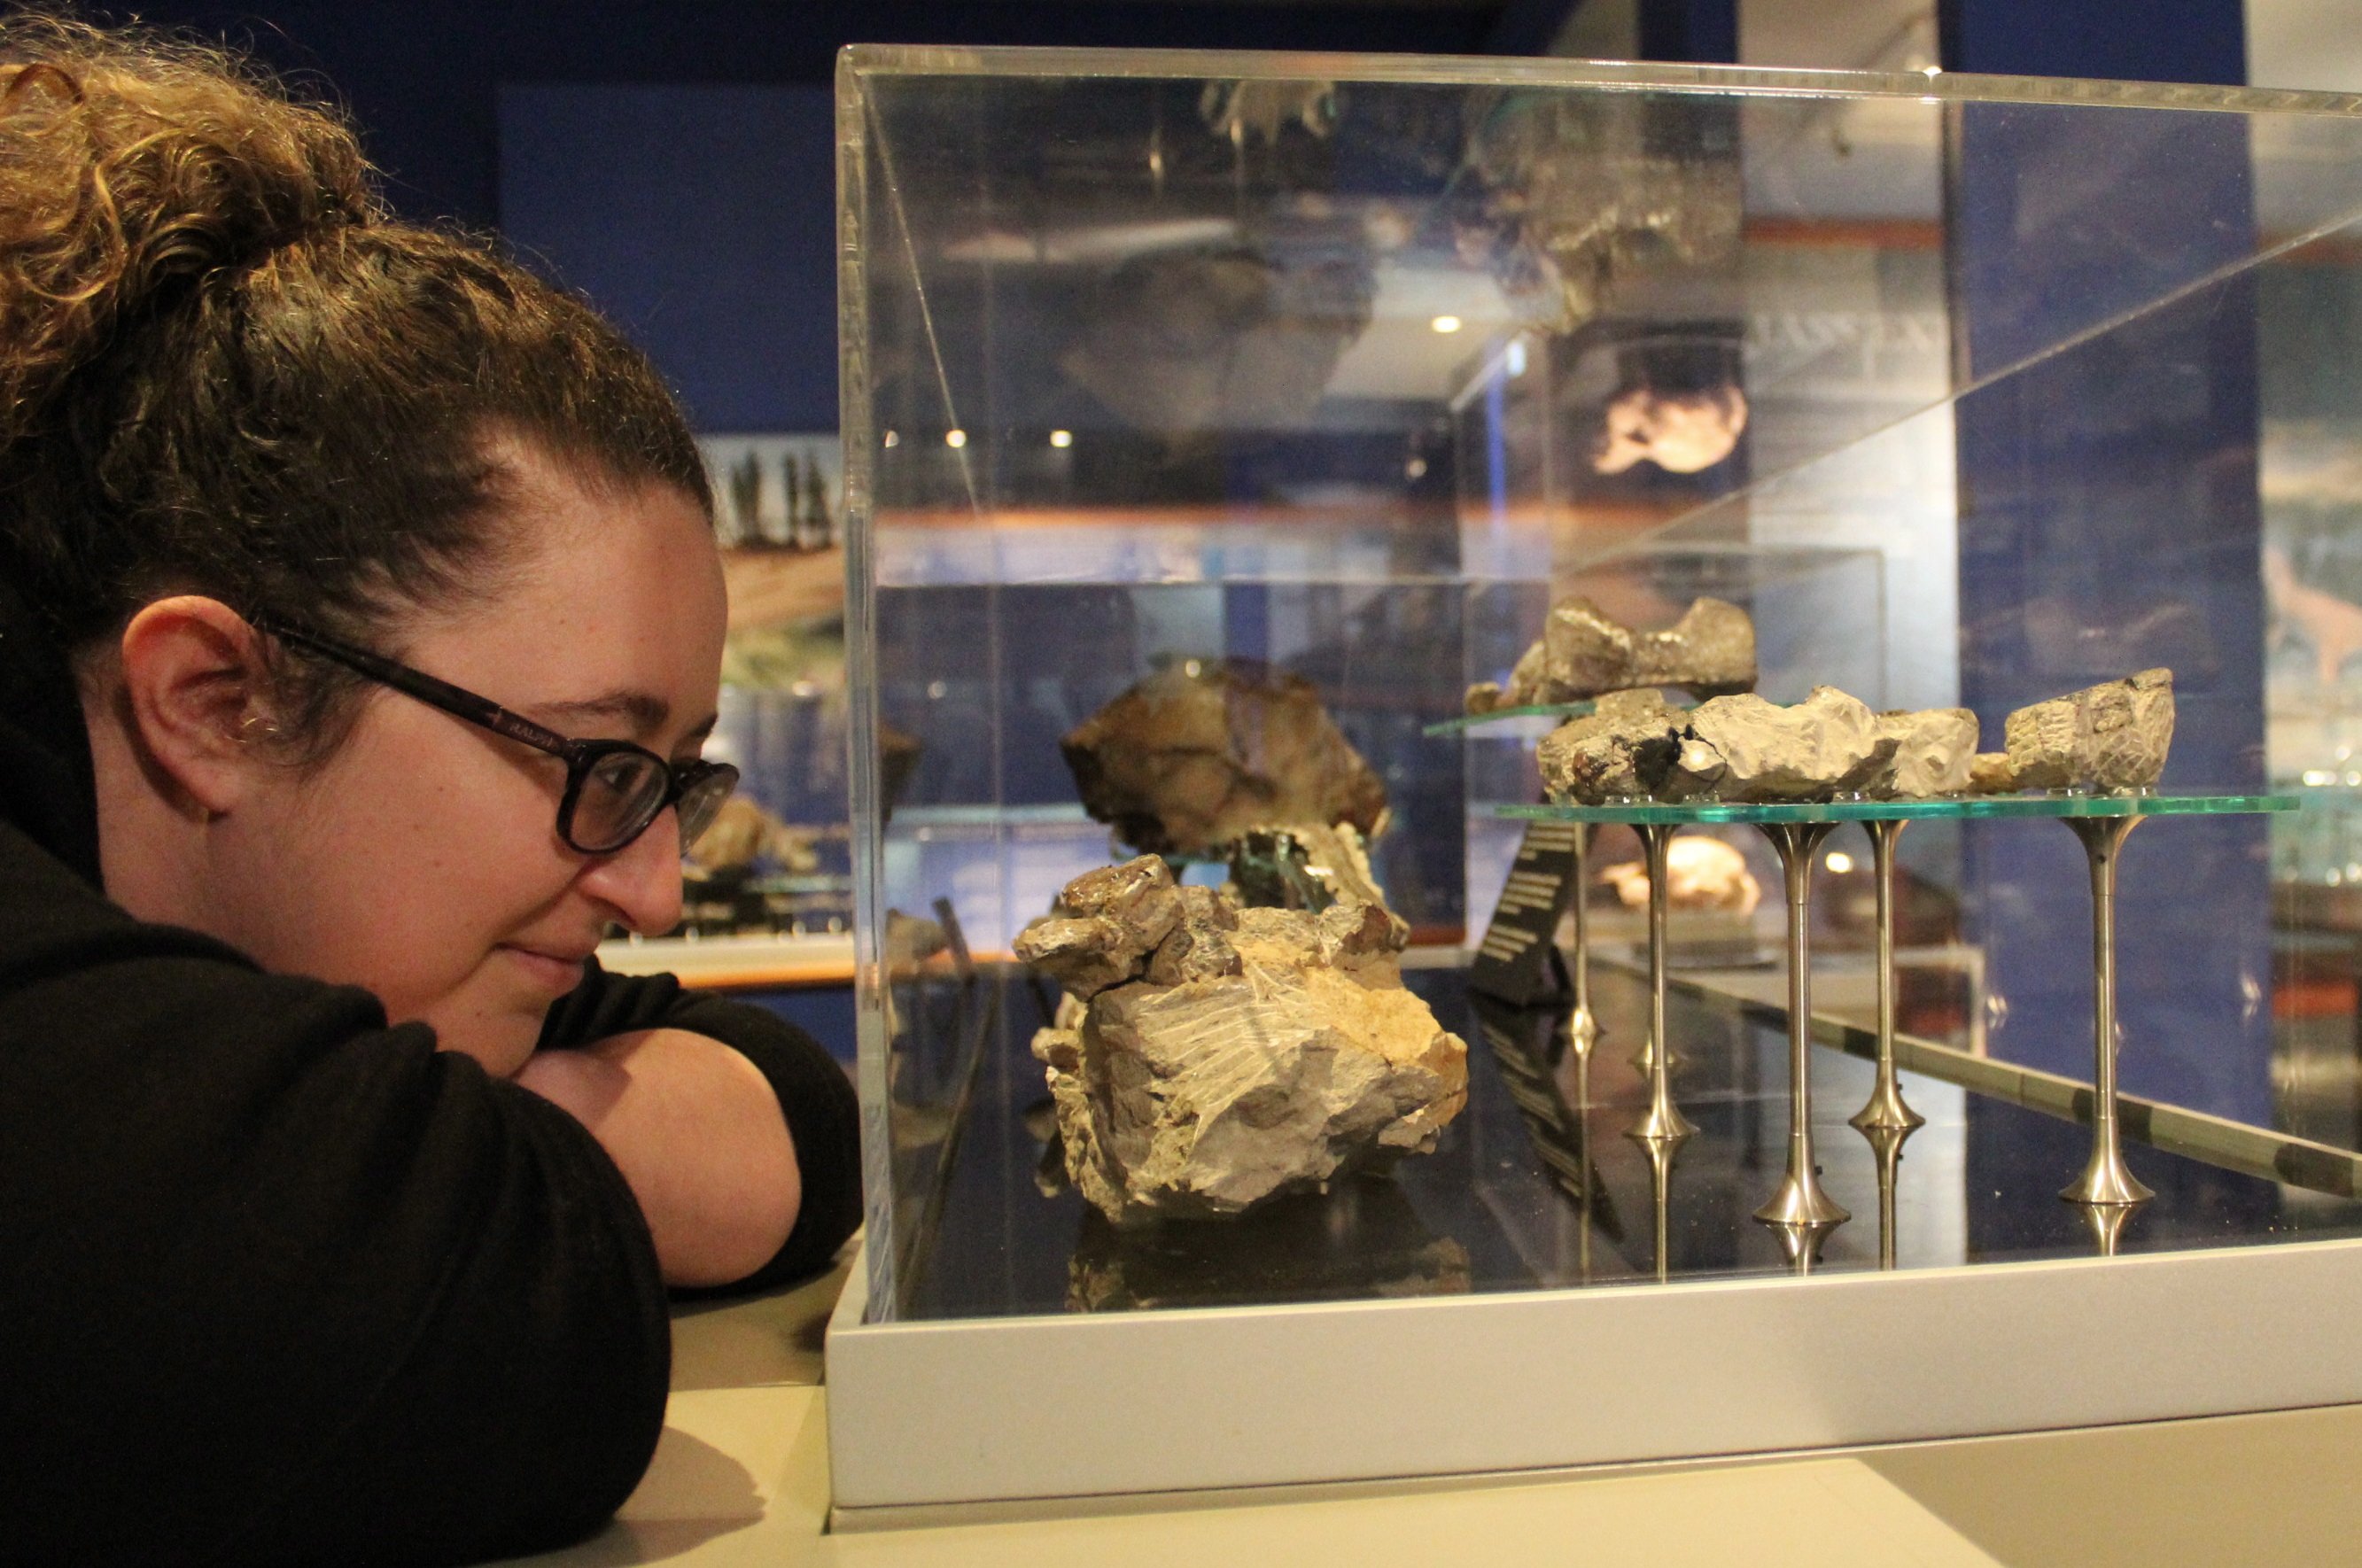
[{"x": 579, "y": 755}]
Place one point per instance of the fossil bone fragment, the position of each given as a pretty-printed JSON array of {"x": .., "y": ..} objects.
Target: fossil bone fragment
[
  {"x": 1934, "y": 749},
  {"x": 1191, "y": 758},
  {"x": 1584, "y": 653},
  {"x": 1246, "y": 1051},
  {"x": 2109, "y": 736},
  {"x": 1744, "y": 748}
]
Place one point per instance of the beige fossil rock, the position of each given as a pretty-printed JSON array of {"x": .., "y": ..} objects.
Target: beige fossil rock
[
  {"x": 1933, "y": 750},
  {"x": 1106, "y": 923},
  {"x": 1584, "y": 653},
  {"x": 2109, "y": 736},
  {"x": 1250, "y": 1052},
  {"x": 1990, "y": 774},
  {"x": 1744, "y": 748},
  {"x": 1198, "y": 753}
]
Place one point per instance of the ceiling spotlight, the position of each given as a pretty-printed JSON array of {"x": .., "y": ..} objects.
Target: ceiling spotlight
[
  {"x": 954, "y": 439},
  {"x": 1839, "y": 862},
  {"x": 1062, "y": 437},
  {"x": 892, "y": 439},
  {"x": 1447, "y": 324}
]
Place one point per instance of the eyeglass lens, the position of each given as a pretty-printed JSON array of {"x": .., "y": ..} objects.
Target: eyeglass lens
[{"x": 623, "y": 791}]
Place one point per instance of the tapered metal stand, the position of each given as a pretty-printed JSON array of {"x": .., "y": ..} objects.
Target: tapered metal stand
[
  {"x": 2106, "y": 1221},
  {"x": 1887, "y": 1144},
  {"x": 2105, "y": 1178},
  {"x": 1800, "y": 1202},
  {"x": 1885, "y": 1108},
  {"x": 1661, "y": 1153},
  {"x": 1664, "y": 1120},
  {"x": 1802, "y": 1244},
  {"x": 1582, "y": 1109},
  {"x": 1582, "y": 1025}
]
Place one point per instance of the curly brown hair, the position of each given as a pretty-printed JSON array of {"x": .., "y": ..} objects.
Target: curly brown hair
[{"x": 226, "y": 368}]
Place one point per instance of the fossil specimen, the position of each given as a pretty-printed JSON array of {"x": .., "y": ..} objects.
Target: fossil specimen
[
  {"x": 1223, "y": 1055},
  {"x": 1582, "y": 652},
  {"x": 1744, "y": 748},
  {"x": 1196, "y": 755},
  {"x": 2109, "y": 736},
  {"x": 1934, "y": 749},
  {"x": 1623, "y": 749}
]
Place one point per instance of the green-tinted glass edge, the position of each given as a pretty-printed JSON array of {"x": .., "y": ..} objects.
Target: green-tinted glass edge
[
  {"x": 1530, "y": 711},
  {"x": 1957, "y": 808}
]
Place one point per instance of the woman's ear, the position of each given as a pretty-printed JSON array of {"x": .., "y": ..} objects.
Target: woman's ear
[{"x": 196, "y": 692}]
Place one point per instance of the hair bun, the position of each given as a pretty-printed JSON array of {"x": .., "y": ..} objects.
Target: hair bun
[{"x": 130, "y": 165}]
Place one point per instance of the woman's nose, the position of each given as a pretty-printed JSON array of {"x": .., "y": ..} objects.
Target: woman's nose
[{"x": 642, "y": 880}]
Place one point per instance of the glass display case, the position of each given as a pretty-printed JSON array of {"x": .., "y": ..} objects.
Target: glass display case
[{"x": 1334, "y": 374}]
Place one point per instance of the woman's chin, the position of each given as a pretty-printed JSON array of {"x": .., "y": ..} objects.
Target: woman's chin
[{"x": 501, "y": 1038}]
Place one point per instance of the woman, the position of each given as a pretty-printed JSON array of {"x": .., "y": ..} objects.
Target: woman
[{"x": 359, "y": 625}]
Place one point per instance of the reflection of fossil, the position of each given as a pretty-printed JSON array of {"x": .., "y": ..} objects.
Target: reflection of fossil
[
  {"x": 1220, "y": 340},
  {"x": 1700, "y": 874},
  {"x": 742, "y": 832},
  {"x": 1682, "y": 434},
  {"x": 1565, "y": 191},
  {"x": 1252, "y": 111},
  {"x": 1361, "y": 1239},
  {"x": 2333, "y": 625}
]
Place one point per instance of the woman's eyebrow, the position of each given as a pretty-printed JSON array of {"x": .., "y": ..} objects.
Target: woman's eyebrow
[{"x": 643, "y": 713}]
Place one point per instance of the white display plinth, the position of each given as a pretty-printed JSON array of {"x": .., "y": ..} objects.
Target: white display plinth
[{"x": 926, "y": 1415}]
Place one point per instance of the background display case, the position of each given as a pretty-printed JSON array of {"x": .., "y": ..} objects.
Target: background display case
[{"x": 1972, "y": 390}]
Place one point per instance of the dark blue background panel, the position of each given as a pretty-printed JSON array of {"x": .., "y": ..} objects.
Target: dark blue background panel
[
  {"x": 702, "y": 218},
  {"x": 2155, "y": 40}
]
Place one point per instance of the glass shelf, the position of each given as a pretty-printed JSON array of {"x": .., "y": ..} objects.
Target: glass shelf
[
  {"x": 1952, "y": 808},
  {"x": 1553, "y": 711},
  {"x": 1538, "y": 718}
]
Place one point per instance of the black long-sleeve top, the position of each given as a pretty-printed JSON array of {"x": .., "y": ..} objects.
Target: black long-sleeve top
[{"x": 279, "y": 1283}]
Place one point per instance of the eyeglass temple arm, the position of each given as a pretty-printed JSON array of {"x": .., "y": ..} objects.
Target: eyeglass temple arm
[{"x": 451, "y": 699}]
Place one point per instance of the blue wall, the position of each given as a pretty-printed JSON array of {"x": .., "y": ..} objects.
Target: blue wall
[
  {"x": 701, "y": 218},
  {"x": 2109, "y": 519}
]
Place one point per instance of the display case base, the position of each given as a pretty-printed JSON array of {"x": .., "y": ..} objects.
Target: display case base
[{"x": 1039, "y": 1409}]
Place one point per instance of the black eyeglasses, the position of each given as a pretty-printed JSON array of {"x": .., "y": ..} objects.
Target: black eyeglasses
[{"x": 613, "y": 789}]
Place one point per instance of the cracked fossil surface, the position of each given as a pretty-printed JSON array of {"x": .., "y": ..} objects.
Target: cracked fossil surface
[{"x": 1222, "y": 1055}]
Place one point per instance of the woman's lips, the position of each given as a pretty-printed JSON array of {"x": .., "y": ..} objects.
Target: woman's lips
[{"x": 556, "y": 974}]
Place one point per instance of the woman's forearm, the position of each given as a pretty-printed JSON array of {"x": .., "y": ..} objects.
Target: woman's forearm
[{"x": 698, "y": 1133}]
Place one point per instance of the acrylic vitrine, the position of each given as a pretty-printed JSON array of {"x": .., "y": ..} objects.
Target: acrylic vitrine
[{"x": 1970, "y": 391}]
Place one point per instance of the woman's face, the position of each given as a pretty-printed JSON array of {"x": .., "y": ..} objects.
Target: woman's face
[{"x": 422, "y": 860}]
